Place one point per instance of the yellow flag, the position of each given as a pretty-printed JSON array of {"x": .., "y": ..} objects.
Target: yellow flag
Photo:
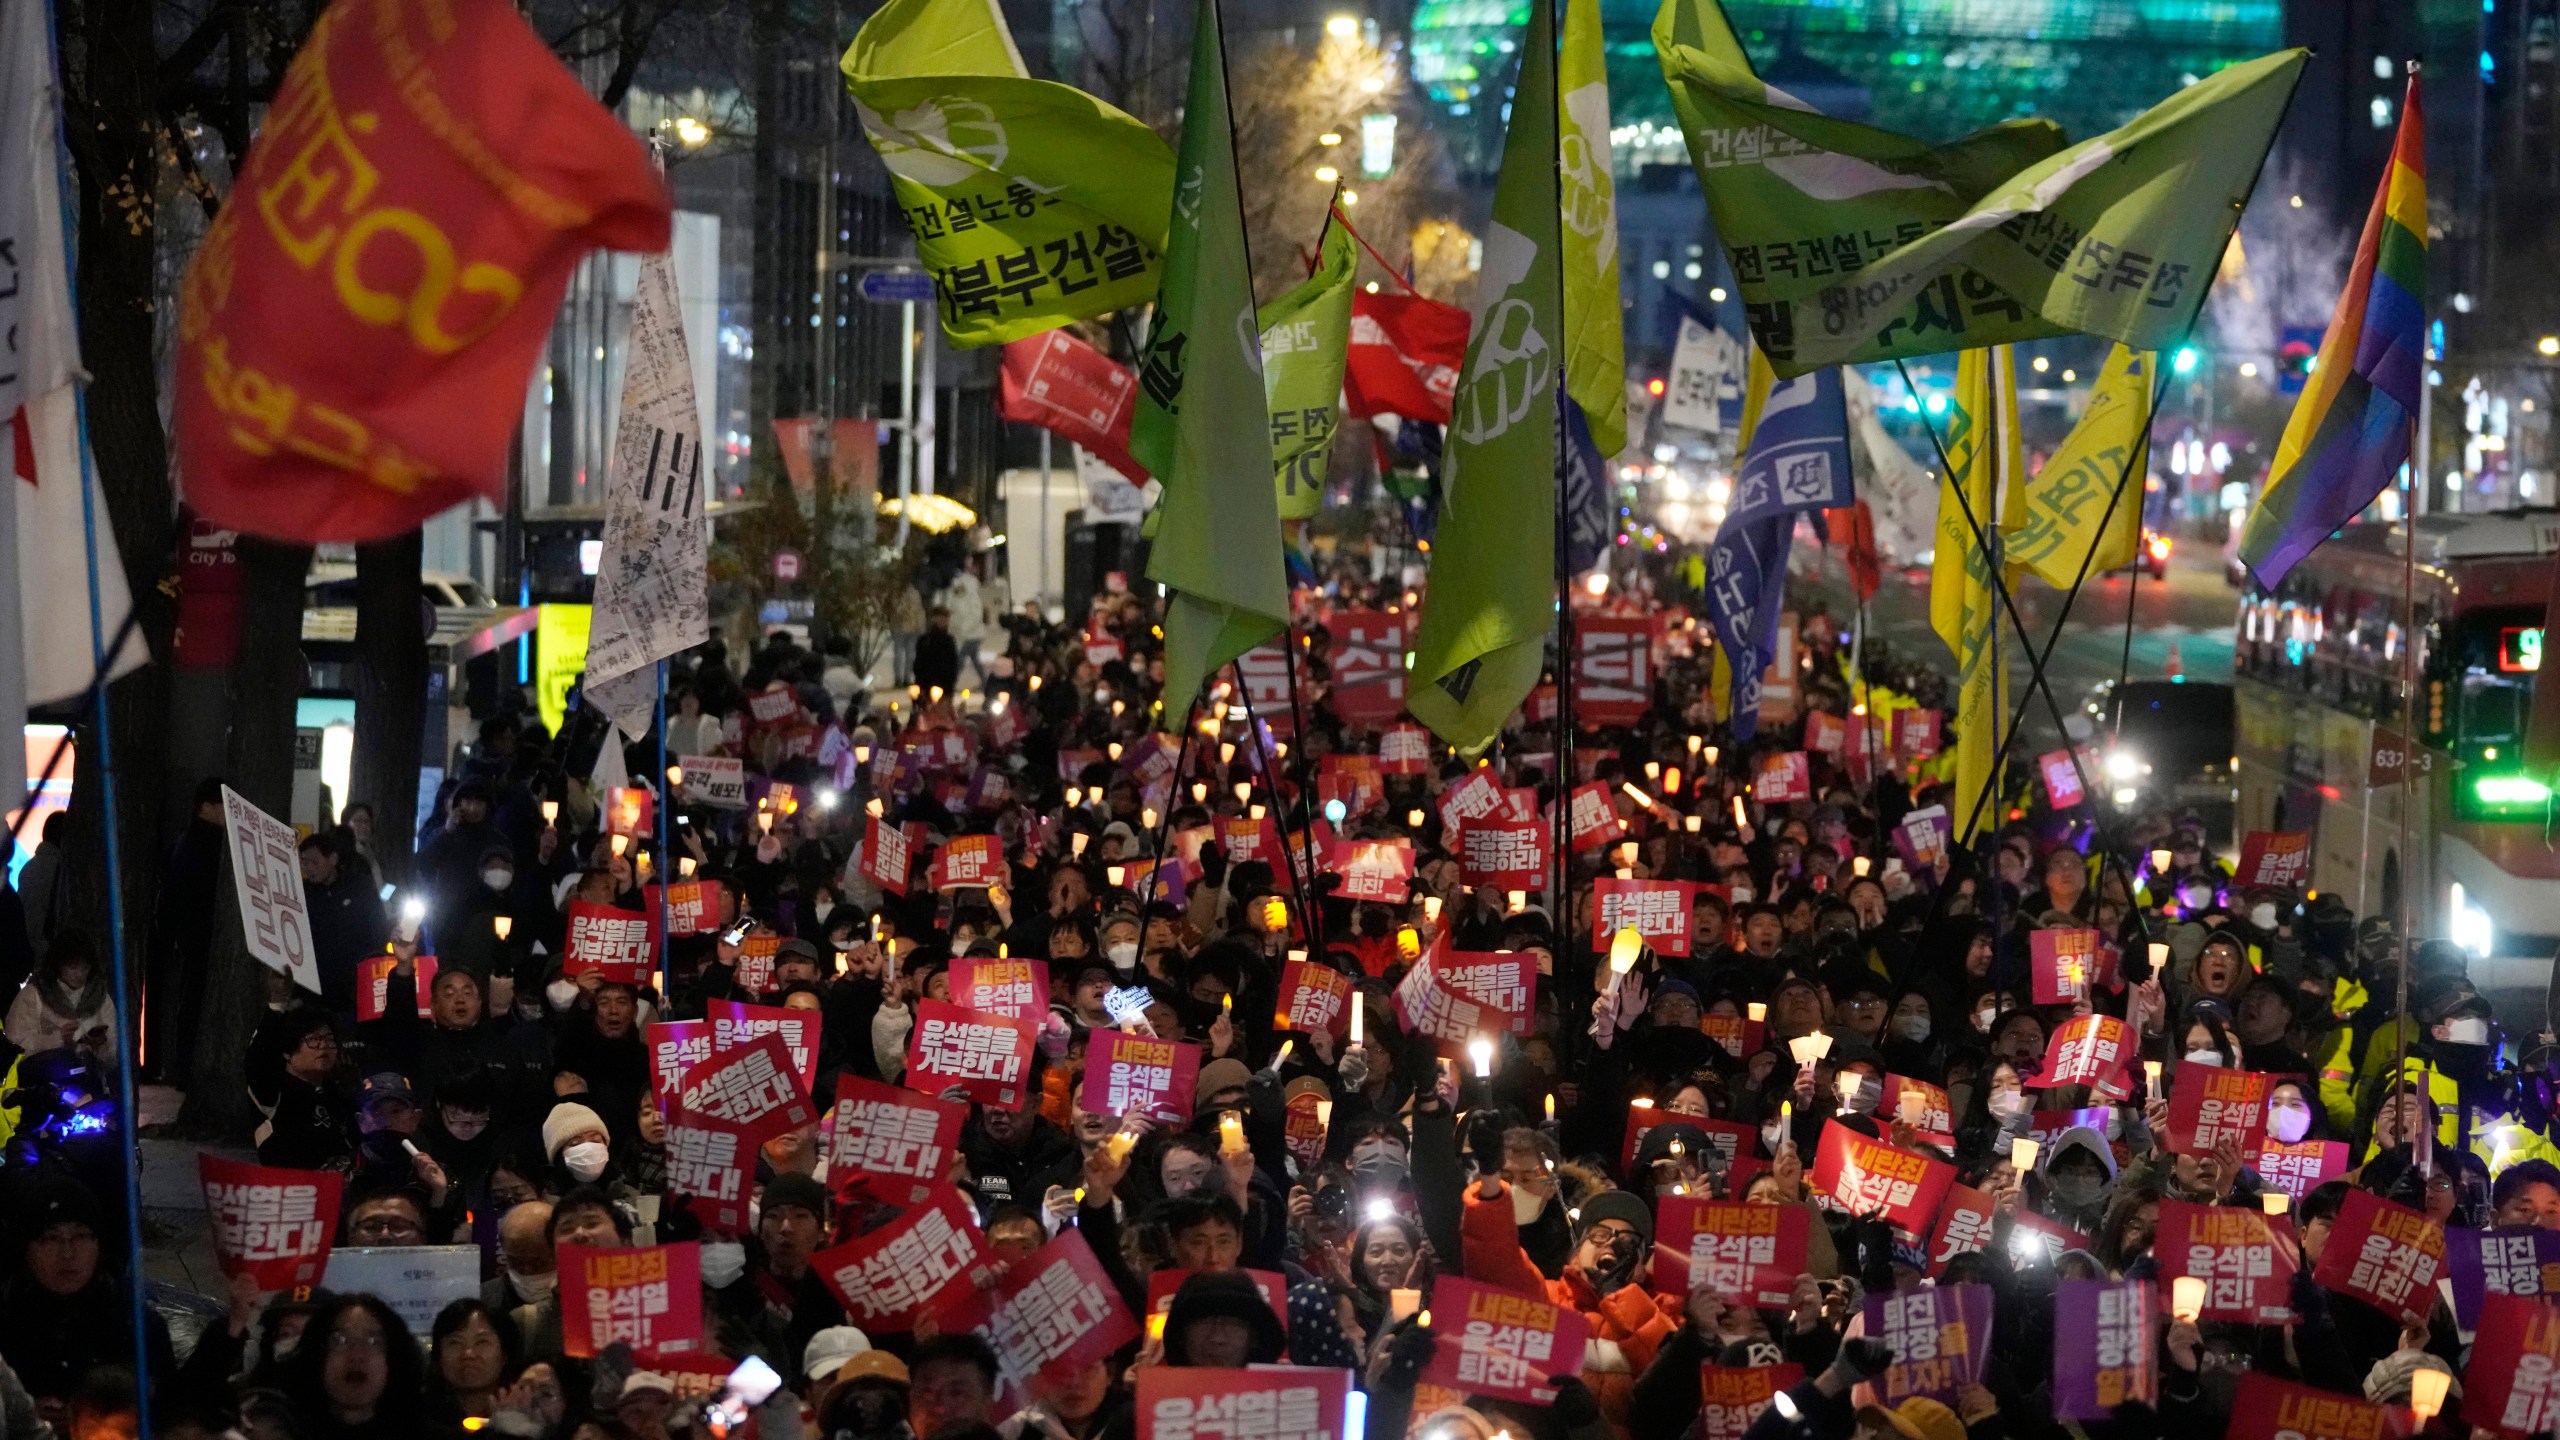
[
  {"x": 2069, "y": 495},
  {"x": 1984, "y": 476}
]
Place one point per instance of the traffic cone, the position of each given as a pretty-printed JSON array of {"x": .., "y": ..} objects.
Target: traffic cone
[{"x": 2177, "y": 663}]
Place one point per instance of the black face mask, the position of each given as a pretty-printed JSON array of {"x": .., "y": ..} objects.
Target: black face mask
[{"x": 2469, "y": 1064}]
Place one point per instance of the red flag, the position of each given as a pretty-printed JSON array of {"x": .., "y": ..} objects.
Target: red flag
[
  {"x": 1855, "y": 527},
  {"x": 356, "y": 335},
  {"x": 1404, "y": 357},
  {"x": 1064, "y": 386}
]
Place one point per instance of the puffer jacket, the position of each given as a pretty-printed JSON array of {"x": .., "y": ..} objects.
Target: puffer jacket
[{"x": 1627, "y": 1324}]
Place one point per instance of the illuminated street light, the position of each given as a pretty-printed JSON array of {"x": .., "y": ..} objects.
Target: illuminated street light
[
  {"x": 1329, "y": 138},
  {"x": 2548, "y": 345},
  {"x": 1327, "y": 174},
  {"x": 692, "y": 134},
  {"x": 1342, "y": 27}
]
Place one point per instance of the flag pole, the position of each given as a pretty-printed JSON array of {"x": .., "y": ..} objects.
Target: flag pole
[
  {"x": 128, "y": 1090},
  {"x": 1262, "y": 761},
  {"x": 1560, "y": 900},
  {"x": 2401, "y": 909},
  {"x": 666, "y": 853}
]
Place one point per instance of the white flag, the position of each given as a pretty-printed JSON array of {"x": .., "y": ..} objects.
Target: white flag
[
  {"x": 45, "y": 605},
  {"x": 651, "y": 579},
  {"x": 1697, "y": 371}
]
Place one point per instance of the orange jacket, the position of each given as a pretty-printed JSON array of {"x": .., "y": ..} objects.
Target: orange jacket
[{"x": 1627, "y": 1325}]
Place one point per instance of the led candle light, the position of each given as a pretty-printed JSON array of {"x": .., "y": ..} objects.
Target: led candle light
[
  {"x": 1199, "y": 792},
  {"x": 1653, "y": 769},
  {"x": 1244, "y": 793},
  {"x": 1408, "y": 942},
  {"x": 684, "y": 867},
  {"x": 1259, "y": 811},
  {"x": 2186, "y": 1298},
  {"x": 1075, "y": 796},
  {"x": 2160, "y": 861},
  {"x": 1324, "y": 1114},
  {"x": 1847, "y": 1084},
  {"x": 1480, "y": 1050},
  {"x": 1671, "y": 781},
  {"x": 504, "y": 924},
  {"x": 1147, "y": 818},
  {"x": 2275, "y": 1202},
  {"x": 1757, "y": 1010},
  {"x": 1786, "y": 1121},
  {"x": 1227, "y": 1006},
  {"x": 1694, "y": 743},
  {"x": 1076, "y": 843},
  {"x": 1230, "y": 1133},
  {"x": 1356, "y": 1012},
  {"x": 1809, "y": 1048},
  {"x": 1641, "y": 1102},
  {"x": 2022, "y": 1154},
  {"x": 1275, "y": 913},
  {"x": 862, "y": 753},
  {"x": 1120, "y": 1144},
  {"x": 1551, "y": 1109},
  {"x": 1413, "y": 819},
  {"x": 2159, "y": 952},
  {"x": 1113, "y": 749},
  {"x": 1519, "y": 901},
  {"x": 2151, "y": 1076},
  {"x": 1431, "y": 909},
  {"x": 621, "y": 845},
  {"x": 1156, "y": 1324},
  {"x": 675, "y": 775},
  {"x": 1402, "y": 1304},
  {"x": 1624, "y": 852},
  {"x": 1910, "y": 1106},
  {"x": 2426, "y": 1392},
  {"x": 550, "y": 811},
  {"x": 1692, "y": 824},
  {"x": 1298, "y": 955},
  {"x": 1859, "y": 865},
  {"x": 1116, "y": 875},
  {"x": 1741, "y": 817},
  {"x": 1711, "y": 755},
  {"x": 1226, "y": 752},
  {"x": 1624, "y": 949}
]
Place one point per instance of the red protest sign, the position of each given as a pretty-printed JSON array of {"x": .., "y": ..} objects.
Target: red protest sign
[
  {"x": 2277, "y": 858},
  {"x": 2299, "y": 1169},
  {"x": 2064, "y": 964},
  {"x": 774, "y": 705},
  {"x": 1594, "y": 818},
  {"x": 1734, "y": 1396},
  {"x": 628, "y": 810},
  {"x": 1503, "y": 854},
  {"x": 1501, "y": 1343},
  {"x": 1824, "y": 733},
  {"x": 752, "y": 1088},
  {"x": 1784, "y": 776},
  {"x": 1367, "y": 663},
  {"x": 1917, "y": 733},
  {"x": 373, "y": 986},
  {"x": 710, "y": 1161},
  {"x": 1285, "y": 1402},
  {"x": 2383, "y": 1254},
  {"x": 1050, "y": 1316},
  {"x": 2513, "y": 1381},
  {"x": 1964, "y": 1226},
  {"x": 1125, "y": 1072},
  {"x": 1863, "y": 1176},
  {"x": 648, "y": 1297},
  {"x": 1380, "y": 870},
  {"x": 1404, "y": 750},
  {"x": 1922, "y": 1106},
  {"x": 969, "y": 861},
  {"x": 269, "y": 1223},
  {"x": 885, "y": 856},
  {"x": 989, "y": 1056},
  {"x": 891, "y": 1144},
  {"x": 1249, "y": 839},
  {"x": 2265, "y": 1408},
  {"x": 734, "y": 1024},
  {"x": 1455, "y": 996},
  {"x": 1313, "y": 997},
  {"x": 1659, "y": 909},
  {"x": 1738, "y": 1034},
  {"x": 2087, "y": 1050},
  {"x": 2209, "y": 1104},
  {"x": 757, "y": 956},
  {"x": 1612, "y": 669},
  {"x": 2246, "y": 1264},
  {"x": 1015, "y": 988},
  {"x": 675, "y": 1046},
  {"x": 693, "y": 907},
  {"x": 1750, "y": 1254},
  {"x": 909, "y": 1267},
  {"x": 2061, "y": 779},
  {"x": 612, "y": 943},
  {"x": 1470, "y": 800}
]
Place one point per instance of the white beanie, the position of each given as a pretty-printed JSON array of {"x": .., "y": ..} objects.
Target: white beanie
[{"x": 566, "y": 1119}]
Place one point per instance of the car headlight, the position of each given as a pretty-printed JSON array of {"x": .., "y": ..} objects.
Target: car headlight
[{"x": 2123, "y": 764}]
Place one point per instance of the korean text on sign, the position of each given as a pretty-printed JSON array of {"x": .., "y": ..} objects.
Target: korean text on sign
[
  {"x": 889, "y": 1277},
  {"x": 891, "y": 1144},
  {"x": 649, "y": 1298}
]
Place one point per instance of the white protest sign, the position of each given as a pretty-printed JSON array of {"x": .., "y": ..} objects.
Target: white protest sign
[{"x": 266, "y": 865}]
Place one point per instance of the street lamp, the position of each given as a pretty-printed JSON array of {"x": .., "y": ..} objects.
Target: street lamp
[
  {"x": 1342, "y": 27},
  {"x": 691, "y": 133},
  {"x": 2548, "y": 344}
]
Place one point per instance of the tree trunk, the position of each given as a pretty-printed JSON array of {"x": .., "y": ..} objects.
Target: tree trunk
[
  {"x": 391, "y": 691},
  {"x": 266, "y": 681},
  {"x": 112, "y": 118}
]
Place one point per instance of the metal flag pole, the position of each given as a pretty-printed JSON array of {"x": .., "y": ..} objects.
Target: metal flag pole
[
  {"x": 666, "y": 853},
  {"x": 128, "y": 1089}
]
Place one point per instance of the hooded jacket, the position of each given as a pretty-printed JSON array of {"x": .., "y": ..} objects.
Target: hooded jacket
[{"x": 1628, "y": 1324}]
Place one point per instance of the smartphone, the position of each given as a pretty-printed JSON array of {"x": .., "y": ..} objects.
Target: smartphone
[
  {"x": 748, "y": 1386},
  {"x": 737, "y": 934}
]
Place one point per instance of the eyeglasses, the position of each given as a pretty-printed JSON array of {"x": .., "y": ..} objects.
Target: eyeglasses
[
  {"x": 386, "y": 1227},
  {"x": 355, "y": 1339}
]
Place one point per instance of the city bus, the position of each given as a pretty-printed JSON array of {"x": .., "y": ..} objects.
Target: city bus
[{"x": 2318, "y": 668}]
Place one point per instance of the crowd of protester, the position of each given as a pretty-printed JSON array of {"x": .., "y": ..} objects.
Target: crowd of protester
[{"x": 515, "y": 1106}]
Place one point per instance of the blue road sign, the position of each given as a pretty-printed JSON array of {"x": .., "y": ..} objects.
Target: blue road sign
[{"x": 894, "y": 287}]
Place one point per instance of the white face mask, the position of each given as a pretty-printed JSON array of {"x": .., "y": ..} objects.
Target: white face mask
[
  {"x": 1123, "y": 954},
  {"x": 1914, "y": 1028},
  {"x": 1982, "y": 1019},
  {"x": 1743, "y": 895},
  {"x": 585, "y": 1160},
  {"x": 2263, "y": 916},
  {"x": 497, "y": 879},
  {"x": 2467, "y": 1030},
  {"x": 1868, "y": 1095},
  {"x": 561, "y": 993},
  {"x": 2006, "y": 1102},
  {"x": 2195, "y": 897},
  {"x": 1526, "y": 1205},
  {"x": 534, "y": 1288},
  {"x": 822, "y": 909},
  {"x": 723, "y": 1261},
  {"x": 1773, "y": 1135},
  {"x": 2204, "y": 1057},
  {"x": 2289, "y": 1123}
]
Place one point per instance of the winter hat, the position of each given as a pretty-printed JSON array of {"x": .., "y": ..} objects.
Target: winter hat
[
  {"x": 1620, "y": 1206},
  {"x": 795, "y": 1190},
  {"x": 1918, "y": 1418},
  {"x": 565, "y": 1120},
  {"x": 2388, "y": 1382},
  {"x": 1228, "y": 1294},
  {"x": 1216, "y": 1078}
]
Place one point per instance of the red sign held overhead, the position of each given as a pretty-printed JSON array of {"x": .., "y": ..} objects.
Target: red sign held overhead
[
  {"x": 2277, "y": 858},
  {"x": 1502, "y": 1343},
  {"x": 885, "y": 856},
  {"x": 906, "y": 1269},
  {"x": 1863, "y": 1176},
  {"x": 989, "y": 1056},
  {"x": 612, "y": 943},
  {"x": 1050, "y": 1316},
  {"x": 1070, "y": 389},
  {"x": 2247, "y": 1264},
  {"x": 1612, "y": 670},
  {"x": 2210, "y": 1106},
  {"x": 1782, "y": 777},
  {"x": 1504, "y": 854},
  {"x": 2061, "y": 779},
  {"x": 2088, "y": 1050},
  {"x": 2384, "y": 1254},
  {"x": 892, "y": 1145},
  {"x": 1018, "y": 988},
  {"x": 1156, "y": 1078},
  {"x": 648, "y": 1297},
  {"x": 1313, "y": 997},
  {"x": 268, "y": 1223},
  {"x": 1917, "y": 733},
  {"x": 2064, "y": 964},
  {"x": 1380, "y": 870},
  {"x": 1368, "y": 666},
  {"x": 1594, "y": 818},
  {"x": 1750, "y": 1254},
  {"x": 1659, "y": 909},
  {"x": 1404, "y": 750}
]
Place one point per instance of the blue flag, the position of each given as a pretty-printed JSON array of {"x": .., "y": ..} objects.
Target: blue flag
[
  {"x": 1582, "y": 489},
  {"x": 1798, "y": 461}
]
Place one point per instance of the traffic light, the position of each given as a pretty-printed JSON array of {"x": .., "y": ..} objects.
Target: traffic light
[{"x": 2184, "y": 362}]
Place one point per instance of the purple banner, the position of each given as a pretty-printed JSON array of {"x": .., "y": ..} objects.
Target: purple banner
[
  {"x": 1939, "y": 1338},
  {"x": 2102, "y": 1352},
  {"x": 2499, "y": 1262}
]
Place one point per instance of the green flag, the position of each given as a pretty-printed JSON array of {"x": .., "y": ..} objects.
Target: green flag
[
  {"x": 2117, "y": 236},
  {"x": 1797, "y": 195},
  {"x": 1217, "y": 535},
  {"x": 1493, "y": 568},
  {"x": 1595, "y": 349},
  {"x": 1032, "y": 203},
  {"x": 1306, "y": 337}
]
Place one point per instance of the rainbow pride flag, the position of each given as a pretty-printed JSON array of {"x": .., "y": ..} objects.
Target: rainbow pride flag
[{"x": 2350, "y": 431}]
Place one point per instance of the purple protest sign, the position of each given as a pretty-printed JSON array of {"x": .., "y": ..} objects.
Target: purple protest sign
[
  {"x": 2102, "y": 1353},
  {"x": 2481, "y": 1263},
  {"x": 1938, "y": 1337}
]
